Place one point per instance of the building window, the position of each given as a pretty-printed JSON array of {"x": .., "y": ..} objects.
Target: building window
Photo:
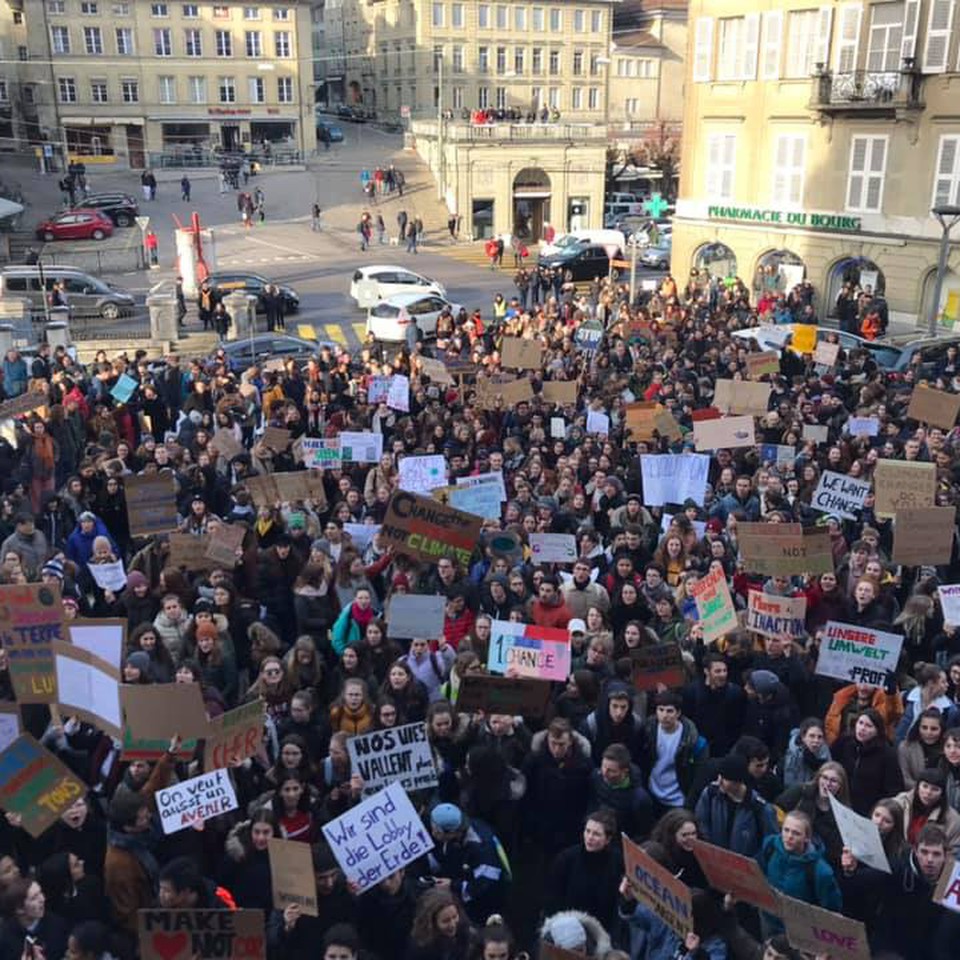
[
  {"x": 258, "y": 93},
  {"x": 198, "y": 89},
  {"x": 868, "y": 166},
  {"x": 227, "y": 90},
  {"x": 224, "y": 43},
  {"x": 56, "y": 7},
  {"x": 190, "y": 11},
  {"x": 167, "y": 89},
  {"x": 285, "y": 89},
  {"x": 221, "y": 13},
  {"x": 456, "y": 16},
  {"x": 456, "y": 58},
  {"x": 538, "y": 19},
  {"x": 886, "y": 36},
  {"x": 483, "y": 97},
  {"x": 631, "y": 106},
  {"x": 4, "y": 92},
  {"x": 23, "y": 53},
  {"x": 88, "y": 9},
  {"x": 457, "y": 98},
  {"x": 120, "y": 9},
  {"x": 578, "y": 63},
  {"x": 253, "y": 43},
  {"x": 576, "y": 98},
  {"x": 98, "y": 91},
  {"x": 503, "y": 16},
  {"x": 946, "y": 183},
  {"x": 553, "y": 98},
  {"x": 808, "y": 41},
  {"x": 519, "y": 57},
  {"x": 536, "y": 61},
  {"x": 594, "y": 64},
  {"x": 721, "y": 153},
  {"x": 501, "y": 98},
  {"x": 579, "y": 21},
  {"x": 593, "y": 98},
  {"x": 483, "y": 16},
  {"x": 93, "y": 40},
  {"x": 159, "y": 10},
  {"x": 501, "y": 60},
  {"x": 67, "y": 88},
  {"x": 29, "y": 93},
  {"x": 251, "y": 13},
  {"x": 730, "y": 52},
  {"x": 438, "y": 15},
  {"x": 554, "y": 61},
  {"x": 130, "y": 90},
  {"x": 556, "y": 20},
  {"x": 520, "y": 18},
  {"x": 483, "y": 59},
  {"x": 124, "y": 37},
  {"x": 596, "y": 21},
  {"x": 60, "y": 39},
  {"x": 193, "y": 43},
  {"x": 281, "y": 13},
  {"x": 788, "y": 170},
  {"x": 281, "y": 44},
  {"x": 163, "y": 42}
]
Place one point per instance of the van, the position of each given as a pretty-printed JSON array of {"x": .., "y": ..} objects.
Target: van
[
  {"x": 621, "y": 198},
  {"x": 86, "y": 295},
  {"x": 610, "y": 240}
]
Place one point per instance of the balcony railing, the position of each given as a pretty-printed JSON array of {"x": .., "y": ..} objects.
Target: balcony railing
[
  {"x": 498, "y": 132},
  {"x": 867, "y": 91}
]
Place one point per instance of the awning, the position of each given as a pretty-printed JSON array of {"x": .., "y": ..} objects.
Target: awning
[
  {"x": 9, "y": 209},
  {"x": 102, "y": 121}
]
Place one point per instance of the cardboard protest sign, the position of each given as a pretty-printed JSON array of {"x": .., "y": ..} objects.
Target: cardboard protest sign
[
  {"x": 35, "y": 784},
  {"x": 715, "y": 607},
  {"x": 10, "y": 727},
  {"x": 435, "y": 370},
  {"x": 656, "y": 665},
  {"x": 398, "y": 394},
  {"x": 153, "y": 748},
  {"x": 947, "y": 892},
  {"x": 223, "y": 543},
  {"x": 194, "y": 801},
  {"x": 211, "y": 934},
  {"x": 949, "y": 595},
  {"x": 666, "y": 425},
  {"x": 88, "y": 687},
  {"x": 861, "y": 836},
  {"x": 234, "y": 735},
  {"x": 821, "y": 932},
  {"x": 839, "y": 494},
  {"x": 773, "y": 616},
  {"x": 25, "y": 403},
  {"x": 225, "y": 444},
  {"x": 517, "y": 391},
  {"x": 924, "y": 535},
  {"x": 378, "y": 837},
  {"x": 158, "y": 711},
  {"x": 674, "y": 478},
  {"x": 815, "y": 432},
  {"x": 763, "y": 364},
  {"x": 527, "y": 650},
  {"x": 657, "y": 888},
  {"x": 553, "y": 547},
  {"x": 427, "y": 530},
  {"x": 108, "y": 576},
  {"x": 275, "y": 438},
  {"x": 291, "y": 875},
  {"x": 562, "y": 392},
  {"x": 518, "y": 353},
  {"x": 858, "y": 654},
  {"x": 742, "y": 396},
  {"x": 737, "y": 875},
  {"x": 320, "y": 453},
  {"x": 415, "y": 615},
  {"x": 903, "y": 484},
  {"x": 725, "y": 432},
  {"x": 267, "y": 489},
  {"x": 826, "y": 353},
  {"x": 935, "y": 407},
  {"x": 863, "y": 426},
  {"x": 361, "y": 447},
  {"x": 188, "y": 550},
  {"x": 31, "y": 619},
  {"x": 151, "y": 504},
  {"x": 395, "y": 755},
  {"x": 784, "y": 548},
  {"x": 422, "y": 474},
  {"x": 640, "y": 419},
  {"x": 521, "y": 697}
]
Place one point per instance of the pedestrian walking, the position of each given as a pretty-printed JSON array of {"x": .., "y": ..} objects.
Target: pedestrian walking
[
  {"x": 362, "y": 230},
  {"x": 315, "y": 218},
  {"x": 400, "y": 181},
  {"x": 411, "y": 238},
  {"x": 381, "y": 230},
  {"x": 221, "y": 320},
  {"x": 151, "y": 185},
  {"x": 521, "y": 280},
  {"x": 223, "y": 181},
  {"x": 452, "y": 227},
  {"x": 272, "y": 307},
  {"x": 181, "y": 302},
  {"x": 153, "y": 249},
  {"x": 185, "y": 188},
  {"x": 145, "y": 184},
  {"x": 402, "y": 225},
  {"x": 418, "y": 223},
  {"x": 205, "y": 305}
]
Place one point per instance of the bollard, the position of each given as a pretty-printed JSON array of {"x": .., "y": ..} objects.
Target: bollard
[
  {"x": 242, "y": 308},
  {"x": 162, "y": 308},
  {"x": 58, "y": 330},
  {"x": 6, "y": 338}
]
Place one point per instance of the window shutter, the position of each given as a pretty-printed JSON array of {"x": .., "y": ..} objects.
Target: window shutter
[
  {"x": 824, "y": 23},
  {"x": 911, "y": 20},
  {"x": 947, "y": 173},
  {"x": 713, "y": 166},
  {"x": 751, "y": 48},
  {"x": 703, "y": 50},
  {"x": 729, "y": 151},
  {"x": 849, "y": 37},
  {"x": 939, "y": 25},
  {"x": 878, "y": 163},
  {"x": 858, "y": 163},
  {"x": 772, "y": 45}
]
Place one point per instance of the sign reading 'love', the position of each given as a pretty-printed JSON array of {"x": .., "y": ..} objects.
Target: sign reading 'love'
[{"x": 211, "y": 934}]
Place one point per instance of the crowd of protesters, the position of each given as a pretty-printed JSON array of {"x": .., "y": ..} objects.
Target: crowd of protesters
[{"x": 527, "y": 816}]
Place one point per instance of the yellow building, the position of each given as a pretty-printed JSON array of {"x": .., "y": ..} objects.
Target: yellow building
[
  {"x": 124, "y": 81},
  {"x": 821, "y": 138}
]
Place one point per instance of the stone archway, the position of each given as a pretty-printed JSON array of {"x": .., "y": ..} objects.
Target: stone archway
[{"x": 531, "y": 203}]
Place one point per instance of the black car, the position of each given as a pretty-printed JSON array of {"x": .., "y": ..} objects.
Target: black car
[
  {"x": 585, "y": 263},
  {"x": 121, "y": 208},
  {"x": 242, "y": 354},
  {"x": 223, "y": 284}
]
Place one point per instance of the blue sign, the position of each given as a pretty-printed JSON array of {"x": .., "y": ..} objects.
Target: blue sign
[{"x": 589, "y": 335}]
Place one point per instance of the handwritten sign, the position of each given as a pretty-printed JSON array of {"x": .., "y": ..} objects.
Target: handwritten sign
[
  {"x": 234, "y": 735},
  {"x": 422, "y": 474},
  {"x": 858, "y": 654},
  {"x": 660, "y": 664},
  {"x": 674, "y": 478},
  {"x": 924, "y": 535},
  {"x": 714, "y": 605},
  {"x": 109, "y": 576},
  {"x": 763, "y": 364},
  {"x": 191, "y": 802},
  {"x": 361, "y": 447},
  {"x": 863, "y": 426},
  {"x": 826, "y": 353},
  {"x": 903, "y": 484},
  {"x": 518, "y": 696},
  {"x": 494, "y": 477},
  {"x": 398, "y": 395},
  {"x": 561, "y": 392},
  {"x": 31, "y": 619},
  {"x": 949, "y": 595},
  {"x": 482, "y": 500},
  {"x": 223, "y": 544},
  {"x": 742, "y": 397},
  {"x": 415, "y": 615},
  {"x": 860, "y": 835},
  {"x": 816, "y": 432},
  {"x": 526, "y": 650},
  {"x": 158, "y": 711},
  {"x": 151, "y": 504},
  {"x": 292, "y": 876},
  {"x": 321, "y": 453},
  {"x": 947, "y": 893},
  {"x": 553, "y": 547},
  {"x": 517, "y": 353},
  {"x": 427, "y": 530},
  {"x": 823, "y": 933},
  {"x": 656, "y": 887},
  {"x": 722, "y": 433},
  {"x": 839, "y": 494},
  {"x": 88, "y": 687},
  {"x": 395, "y": 755},
  {"x": 935, "y": 407},
  {"x": 773, "y": 616},
  {"x": 124, "y": 387},
  {"x": 785, "y": 548},
  {"x": 378, "y": 837},
  {"x": 211, "y": 934},
  {"x": 737, "y": 875}
]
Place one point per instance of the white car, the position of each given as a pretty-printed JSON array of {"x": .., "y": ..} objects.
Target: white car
[
  {"x": 382, "y": 281},
  {"x": 388, "y": 320}
]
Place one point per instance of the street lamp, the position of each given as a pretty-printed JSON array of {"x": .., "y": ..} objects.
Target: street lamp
[
  {"x": 948, "y": 217},
  {"x": 438, "y": 54}
]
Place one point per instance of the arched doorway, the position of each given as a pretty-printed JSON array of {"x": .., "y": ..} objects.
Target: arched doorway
[
  {"x": 859, "y": 271},
  {"x": 778, "y": 271},
  {"x": 717, "y": 259},
  {"x": 948, "y": 310},
  {"x": 531, "y": 203}
]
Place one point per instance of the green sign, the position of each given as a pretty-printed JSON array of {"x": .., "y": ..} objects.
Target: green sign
[{"x": 831, "y": 222}]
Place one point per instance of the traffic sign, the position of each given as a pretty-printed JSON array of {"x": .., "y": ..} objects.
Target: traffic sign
[{"x": 143, "y": 223}]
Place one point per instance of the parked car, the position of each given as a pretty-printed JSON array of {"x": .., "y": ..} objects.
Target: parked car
[
  {"x": 242, "y": 354},
  {"x": 658, "y": 257},
  {"x": 585, "y": 263},
  {"x": 611, "y": 240},
  {"x": 82, "y": 224},
  {"x": 388, "y": 320},
  {"x": 329, "y": 132},
  {"x": 122, "y": 209},
  {"x": 382, "y": 281},
  {"x": 87, "y": 295},
  {"x": 225, "y": 283}
]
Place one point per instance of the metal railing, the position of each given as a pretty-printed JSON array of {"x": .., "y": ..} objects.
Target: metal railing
[
  {"x": 495, "y": 132},
  {"x": 196, "y": 159},
  {"x": 868, "y": 89}
]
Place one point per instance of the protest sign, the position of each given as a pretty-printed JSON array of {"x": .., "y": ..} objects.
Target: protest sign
[
  {"x": 804, "y": 338},
  {"x": 724, "y": 432},
  {"x": 666, "y": 425},
  {"x": 9, "y": 724},
  {"x": 815, "y": 432},
  {"x": 292, "y": 876},
  {"x": 436, "y": 370},
  {"x": 660, "y": 664},
  {"x": 35, "y": 784},
  {"x": 656, "y": 887},
  {"x": 674, "y": 478},
  {"x": 715, "y": 607},
  {"x": 153, "y": 748},
  {"x": 189, "y": 551},
  {"x": 224, "y": 544},
  {"x": 161, "y": 710},
  {"x": 25, "y": 403},
  {"x": 415, "y": 615},
  {"x": 518, "y": 353},
  {"x": 950, "y": 602},
  {"x": 558, "y": 428},
  {"x": 947, "y": 892},
  {"x": 394, "y": 755},
  {"x": 378, "y": 389},
  {"x": 826, "y": 353},
  {"x": 267, "y": 489},
  {"x": 234, "y": 735},
  {"x": 780, "y": 454},
  {"x": 361, "y": 533},
  {"x": 822, "y": 933},
  {"x": 321, "y": 453},
  {"x": 737, "y": 875},
  {"x": 563, "y": 392},
  {"x": 398, "y": 394},
  {"x": 598, "y": 422},
  {"x": 903, "y": 484},
  {"x": 640, "y": 419},
  {"x": 151, "y": 504},
  {"x": 742, "y": 397},
  {"x": 857, "y": 654},
  {"x": 123, "y": 389},
  {"x": 191, "y": 802},
  {"x": 225, "y": 444},
  {"x": 495, "y": 477},
  {"x": 521, "y": 697},
  {"x": 527, "y": 650},
  {"x": 763, "y": 364},
  {"x": 211, "y": 934},
  {"x": 482, "y": 500},
  {"x": 378, "y": 837},
  {"x": 518, "y": 391},
  {"x": 361, "y": 447},
  {"x": 88, "y": 687},
  {"x": 841, "y": 495},
  {"x": 863, "y": 426},
  {"x": 275, "y": 438},
  {"x": 860, "y": 835},
  {"x": 31, "y": 619},
  {"x": 773, "y": 616},
  {"x": 935, "y": 407},
  {"x": 103, "y": 638},
  {"x": 427, "y": 530},
  {"x": 108, "y": 576},
  {"x": 784, "y": 548},
  {"x": 924, "y": 535},
  {"x": 553, "y": 547},
  {"x": 699, "y": 526},
  {"x": 422, "y": 474}
]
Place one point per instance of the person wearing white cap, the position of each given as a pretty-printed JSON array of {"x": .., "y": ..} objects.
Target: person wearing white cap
[{"x": 577, "y": 931}]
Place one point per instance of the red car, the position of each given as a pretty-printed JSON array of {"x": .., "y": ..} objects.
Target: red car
[{"x": 76, "y": 225}]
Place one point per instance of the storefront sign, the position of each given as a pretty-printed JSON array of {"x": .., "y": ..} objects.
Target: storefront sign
[{"x": 831, "y": 222}]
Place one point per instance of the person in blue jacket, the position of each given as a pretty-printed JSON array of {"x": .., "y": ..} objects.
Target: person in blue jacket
[{"x": 80, "y": 542}]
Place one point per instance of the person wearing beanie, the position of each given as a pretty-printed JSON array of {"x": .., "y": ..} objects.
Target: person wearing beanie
[
  {"x": 770, "y": 713},
  {"x": 217, "y": 665},
  {"x": 137, "y": 603},
  {"x": 53, "y": 570},
  {"x": 927, "y": 803},
  {"x": 578, "y": 932},
  {"x": 136, "y": 668},
  {"x": 28, "y": 543}
]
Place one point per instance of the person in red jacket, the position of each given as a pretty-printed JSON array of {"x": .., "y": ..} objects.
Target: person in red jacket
[{"x": 549, "y": 609}]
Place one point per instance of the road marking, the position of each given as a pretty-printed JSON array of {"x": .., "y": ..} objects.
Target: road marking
[
  {"x": 334, "y": 332},
  {"x": 275, "y": 246}
]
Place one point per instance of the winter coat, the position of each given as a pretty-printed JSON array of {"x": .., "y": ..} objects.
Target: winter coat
[
  {"x": 432, "y": 668},
  {"x": 826, "y": 833},
  {"x": 80, "y": 545},
  {"x": 912, "y": 709},
  {"x": 15, "y": 378},
  {"x": 913, "y": 759},
  {"x": 740, "y": 827},
  {"x": 691, "y": 753},
  {"x": 944, "y": 816},
  {"x": 246, "y": 873},
  {"x": 651, "y": 938},
  {"x": 803, "y": 876},
  {"x": 32, "y": 550},
  {"x": 889, "y": 706},
  {"x": 872, "y": 769},
  {"x": 580, "y": 599},
  {"x": 771, "y": 720},
  {"x": 51, "y": 933},
  {"x": 799, "y": 765},
  {"x": 598, "y": 940},
  {"x": 580, "y": 880},
  {"x": 910, "y": 921},
  {"x": 629, "y": 801},
  {"x": 172, "y": 635},
  {"x": 718, "y": 714}
]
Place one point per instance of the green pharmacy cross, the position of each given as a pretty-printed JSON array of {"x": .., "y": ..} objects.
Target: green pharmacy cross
[{"x": 655, "y": 206}]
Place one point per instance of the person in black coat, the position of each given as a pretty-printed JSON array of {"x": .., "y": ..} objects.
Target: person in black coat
[
  {"x": 386, "y": 915},
  {"x": 715, "y": 705},
  {"x": 871, "y": 763},
  {"x": 25, "y": 914},
  {"x": 770, "y": 715},
  {"x": 618, "y": 786},
  {"x": 246, "y": 869},
  {"x": 277, "y": 572}
]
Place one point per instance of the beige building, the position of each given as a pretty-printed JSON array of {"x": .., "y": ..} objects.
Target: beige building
[
  {"x": 825, "y": 134},
  {"x": 122, "y": 82}
]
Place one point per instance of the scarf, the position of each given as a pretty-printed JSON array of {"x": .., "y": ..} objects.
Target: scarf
[
  {"x": 361, "y": 617},
  {"x": 263, "y": 526}
]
